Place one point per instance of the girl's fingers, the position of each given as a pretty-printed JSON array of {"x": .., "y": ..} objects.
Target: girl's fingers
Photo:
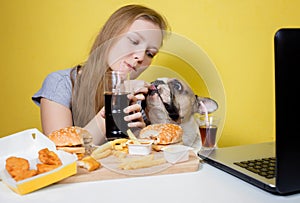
[
  {"x": 135, "y": 120},
  {"x": 133, "y": 108},
  {"x": 143, "y": 90},
  {"x": 133, "y": 117},
  {"x": 137, "y": 125},
  {"x": 134, "y": 98},
  {"x": 140, "y": 96}
]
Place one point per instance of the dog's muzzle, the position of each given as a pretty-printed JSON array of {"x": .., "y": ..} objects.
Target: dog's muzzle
[
  {"x": 171, "y": 108},
  {"x": 152, "y": 90}
]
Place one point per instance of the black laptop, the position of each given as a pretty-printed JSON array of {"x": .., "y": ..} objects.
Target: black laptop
[{"x": 272, "y": 166}]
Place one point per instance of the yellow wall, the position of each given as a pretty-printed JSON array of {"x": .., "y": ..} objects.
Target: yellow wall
[{"x": 38, "y": 37}]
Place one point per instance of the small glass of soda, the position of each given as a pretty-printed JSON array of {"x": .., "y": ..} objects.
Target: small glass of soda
[{"x": 208, "y": 127}]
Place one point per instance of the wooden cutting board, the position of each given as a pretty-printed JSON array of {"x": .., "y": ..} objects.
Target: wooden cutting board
[{"x": 103, "y": 173}]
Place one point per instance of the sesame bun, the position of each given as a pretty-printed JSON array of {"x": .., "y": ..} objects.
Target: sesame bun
[
  {"x": 162, "y": 134},
  {"x": 69, "y": 136},
  {"x": 70, "y": 139}
]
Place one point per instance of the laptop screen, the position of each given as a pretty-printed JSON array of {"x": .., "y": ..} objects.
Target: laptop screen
[
  {"x": 287, "y": 64},
  {"x": 286, "y": 150}
]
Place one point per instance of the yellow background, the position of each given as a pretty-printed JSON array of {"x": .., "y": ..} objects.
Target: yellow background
[{"x": 38, "y": 37}]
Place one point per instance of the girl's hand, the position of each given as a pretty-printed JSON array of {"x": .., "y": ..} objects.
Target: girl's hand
[{"x": 135, "y": 117}]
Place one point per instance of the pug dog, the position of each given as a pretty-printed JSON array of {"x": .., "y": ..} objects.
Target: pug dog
[{"x": 170, "y": 100}]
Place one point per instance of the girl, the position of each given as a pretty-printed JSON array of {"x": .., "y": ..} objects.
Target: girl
[{"x": 127, "y": 42}]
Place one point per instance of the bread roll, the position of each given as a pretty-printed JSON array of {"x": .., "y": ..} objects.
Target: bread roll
[
  {"x": 162, "y": 134},
  {"x": 72, "y": 139},
  {"x": 69, "y": 136}
]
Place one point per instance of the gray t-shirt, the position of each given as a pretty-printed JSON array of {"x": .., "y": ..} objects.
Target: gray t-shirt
[{"x": 56, "y": 87}]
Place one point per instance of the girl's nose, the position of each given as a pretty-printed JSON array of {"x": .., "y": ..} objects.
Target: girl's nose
[{"x": 139, "y": 55}]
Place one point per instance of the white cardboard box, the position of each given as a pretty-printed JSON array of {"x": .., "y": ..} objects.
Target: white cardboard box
[{"x": 26, "y": 144}]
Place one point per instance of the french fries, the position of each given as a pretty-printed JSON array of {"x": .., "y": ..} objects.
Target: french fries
[
  {"x": 102, "y": 151},
  {"x": 118, "y": 148},
  {"x": 101, "y": 155},
  {"x": 119, "y": 154},
  {"x": 140, "y": 162},
  {"x": 106, "y": 149},
  {"x": 120, "y": 145},
  {"x": 118, "y": 141},
  {"x": 132, "y": 137}
]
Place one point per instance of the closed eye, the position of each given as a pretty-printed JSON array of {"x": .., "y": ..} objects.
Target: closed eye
[{"x": 133, "y": 41}]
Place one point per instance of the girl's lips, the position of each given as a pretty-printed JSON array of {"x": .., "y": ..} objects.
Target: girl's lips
[{"x": 130, "y": 66}]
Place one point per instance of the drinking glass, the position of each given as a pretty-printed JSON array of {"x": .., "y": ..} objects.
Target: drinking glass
[{"x": 116, "y": 89}]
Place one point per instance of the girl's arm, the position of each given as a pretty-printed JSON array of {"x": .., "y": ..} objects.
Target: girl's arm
[
  {"x": 96, "y": 128},
  {"x": 54, "y": 116}
]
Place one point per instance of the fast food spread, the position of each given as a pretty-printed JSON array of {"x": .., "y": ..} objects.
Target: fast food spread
[
  {"x": 155, "y": 135},
  {"x": 78, "y": 141},
  {"x": 114, "y": 157}
]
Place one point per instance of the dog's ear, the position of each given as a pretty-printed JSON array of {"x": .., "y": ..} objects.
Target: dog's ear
[{"x": 210, "y": 104}]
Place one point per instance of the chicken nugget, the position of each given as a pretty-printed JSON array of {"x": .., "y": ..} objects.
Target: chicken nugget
[
  {"x": 25, "y": 174},
  {"x": 49, "y": 157},
  {"x": 89, "y": 163},
  {"x": 42, "y": 168},
  {"x": 18, "y": 168},
  {"x": 15, "y": 165}
]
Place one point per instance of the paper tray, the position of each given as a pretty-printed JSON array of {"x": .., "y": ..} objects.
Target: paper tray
[{"x": 26, "y": 144}]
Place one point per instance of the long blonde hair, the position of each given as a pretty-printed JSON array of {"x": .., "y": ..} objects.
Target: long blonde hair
[{"x": 88, "y": 99}]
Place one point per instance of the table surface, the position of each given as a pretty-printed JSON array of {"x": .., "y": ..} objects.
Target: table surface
[{"x": 208, "y": 184}]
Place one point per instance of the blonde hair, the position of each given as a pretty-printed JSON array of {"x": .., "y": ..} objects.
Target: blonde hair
[{"x": 88, "y": 99}]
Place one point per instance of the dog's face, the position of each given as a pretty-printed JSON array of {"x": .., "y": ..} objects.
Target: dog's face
[{"x": 171, "y": 100}]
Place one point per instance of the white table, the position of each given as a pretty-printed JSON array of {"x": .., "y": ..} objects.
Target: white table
[{"x": 206, "y": 185}]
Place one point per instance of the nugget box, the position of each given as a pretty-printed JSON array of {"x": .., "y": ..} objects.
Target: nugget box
[{"x": 26, "y": 144}]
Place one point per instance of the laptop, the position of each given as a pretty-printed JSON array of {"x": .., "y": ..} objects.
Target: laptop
[{"x": 280, "y": 160}]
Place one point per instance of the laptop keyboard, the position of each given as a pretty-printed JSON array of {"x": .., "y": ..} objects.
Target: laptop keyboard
[{"x": 264, "y": 167}]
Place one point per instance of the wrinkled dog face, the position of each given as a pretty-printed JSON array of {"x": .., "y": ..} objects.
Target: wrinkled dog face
[
  {"x": 173, "y": 101},
  {"x": 170, "y": 100}
]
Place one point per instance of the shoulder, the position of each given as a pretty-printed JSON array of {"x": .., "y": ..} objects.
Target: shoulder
[
  {"x": 59, "y": 75},
  {"x": 57, "y": 87},
  {"x": 58, "y": 79}
]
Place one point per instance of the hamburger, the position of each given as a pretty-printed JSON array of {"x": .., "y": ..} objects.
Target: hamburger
[
  {"x": 72, "y": 139},
  {"x": 163, "y": 134}
]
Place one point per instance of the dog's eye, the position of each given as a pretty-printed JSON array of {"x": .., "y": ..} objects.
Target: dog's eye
[{"x": 178, "y": 86}]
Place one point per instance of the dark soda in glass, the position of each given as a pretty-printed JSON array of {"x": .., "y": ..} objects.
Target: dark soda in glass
[
  {"x": 116, "y": 126},
  {"x": 208, "y": 135}
]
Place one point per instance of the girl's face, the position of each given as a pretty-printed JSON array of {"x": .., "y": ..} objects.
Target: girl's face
[{"x": 134, "y": 50}]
